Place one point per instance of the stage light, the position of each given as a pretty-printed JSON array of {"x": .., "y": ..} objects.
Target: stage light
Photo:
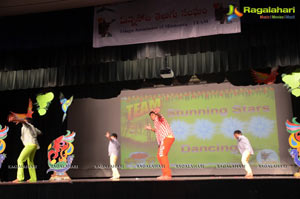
[{"x": 166, "y": 73}]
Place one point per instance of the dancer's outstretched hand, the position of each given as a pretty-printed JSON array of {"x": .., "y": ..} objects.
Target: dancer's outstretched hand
[
  {"x": 107, "y": 134},
  {"x": 156, "y": 110},
  {"x": 148, "y": 127}
]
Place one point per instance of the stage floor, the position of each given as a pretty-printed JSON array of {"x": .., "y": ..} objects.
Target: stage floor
[
  {"x": 145, "y": 179},
  {"x": 141, "y": 179},
  {"x": 178, "y": 187}
]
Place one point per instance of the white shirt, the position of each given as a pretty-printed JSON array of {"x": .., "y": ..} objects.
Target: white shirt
[
  {"x": 244, "y": 144},
  {"x": 113, "y": 147},
  {"x": 29, "y": 134}
]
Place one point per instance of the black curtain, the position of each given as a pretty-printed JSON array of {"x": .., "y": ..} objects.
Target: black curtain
[{"x": 55, "y": 49}]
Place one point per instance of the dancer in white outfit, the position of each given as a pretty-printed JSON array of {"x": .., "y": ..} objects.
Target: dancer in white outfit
[
  {"x": 113, "y": 153},
  {"x": 246, "y": 150}
]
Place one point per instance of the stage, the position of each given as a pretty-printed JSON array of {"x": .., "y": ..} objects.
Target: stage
[{"x": 178, "y": 187}]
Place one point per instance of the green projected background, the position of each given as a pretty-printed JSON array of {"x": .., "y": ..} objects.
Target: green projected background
[{"x": 203, "y": 121}]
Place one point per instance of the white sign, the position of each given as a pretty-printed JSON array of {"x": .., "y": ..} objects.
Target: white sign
[{"x": 152, "y": 20}]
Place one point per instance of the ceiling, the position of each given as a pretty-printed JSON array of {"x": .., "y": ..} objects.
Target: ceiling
[{"x": 19, "y": 7}]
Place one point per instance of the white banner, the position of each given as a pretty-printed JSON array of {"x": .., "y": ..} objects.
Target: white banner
[{"x": 146, "y": 21}]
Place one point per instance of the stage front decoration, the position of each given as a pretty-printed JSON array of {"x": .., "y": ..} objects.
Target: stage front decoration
[
  {"x": 20, "y": 117},
  {"x": 265, "y": 78},
  {"x": 43, "y": 102},
  {"x": 292, "y": 82},
  {"x": 294, "y": 140},
  {"x": 60, "y": 156},
  {"x": 3, "y": 135},
  {"x": 65, "y": 104}
]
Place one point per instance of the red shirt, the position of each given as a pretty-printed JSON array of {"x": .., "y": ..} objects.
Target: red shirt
[{"x": 162, "y": 129}]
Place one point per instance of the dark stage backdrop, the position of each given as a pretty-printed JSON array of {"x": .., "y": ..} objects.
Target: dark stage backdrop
[{"x": 203, "y": 118}]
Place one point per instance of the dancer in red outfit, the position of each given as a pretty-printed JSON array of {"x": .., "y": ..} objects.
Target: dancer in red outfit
[{"x": 165, "y": 139}]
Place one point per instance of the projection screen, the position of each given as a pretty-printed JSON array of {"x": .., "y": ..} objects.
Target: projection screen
[{"x": 203, "y": 119}]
